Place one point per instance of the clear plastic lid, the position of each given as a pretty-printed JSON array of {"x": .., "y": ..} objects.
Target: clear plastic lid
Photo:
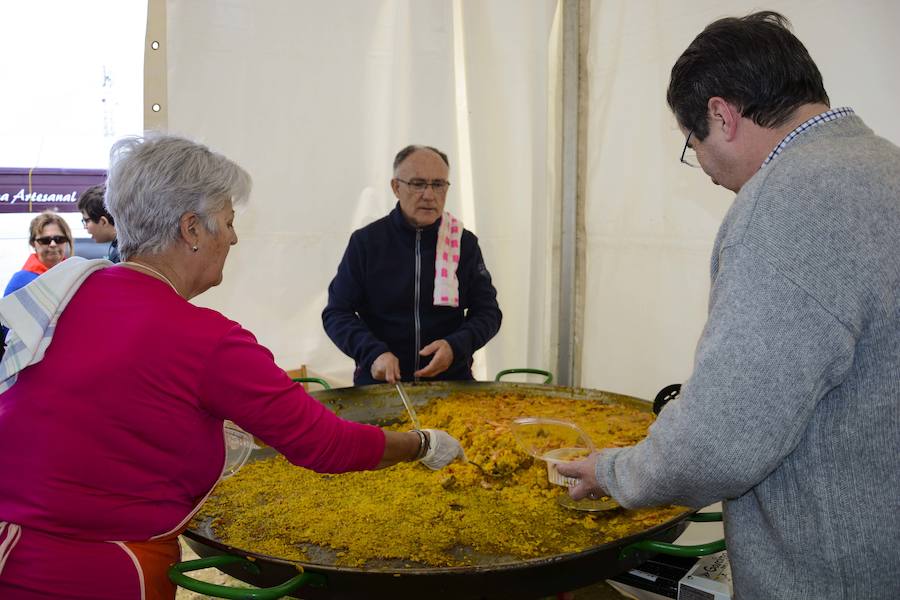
[
  {"x": 238, "y": 445},
  {"x": 556, "y": 439}
]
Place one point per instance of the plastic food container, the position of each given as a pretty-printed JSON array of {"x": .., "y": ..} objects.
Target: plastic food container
[
  {"x": 563, "y": 455},
  {"x": 554, "y": 441}
]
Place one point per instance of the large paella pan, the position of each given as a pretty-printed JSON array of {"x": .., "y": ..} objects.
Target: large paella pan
[{"x": 321, "y": 573}]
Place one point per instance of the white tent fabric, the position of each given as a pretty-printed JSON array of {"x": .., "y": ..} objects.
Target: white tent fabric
[
  {"x": 650, "y": 220},
  {"x": 314, "y": 98}
]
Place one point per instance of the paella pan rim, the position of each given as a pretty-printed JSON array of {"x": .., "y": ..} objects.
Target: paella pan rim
[{"x": 525, "y": 563}]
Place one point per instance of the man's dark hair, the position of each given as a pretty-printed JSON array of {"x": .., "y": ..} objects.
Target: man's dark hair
[
  {"x": 91, "y": 203},
  {"x": 754, "y": 62},
  {"x": 404, "y": 154}
]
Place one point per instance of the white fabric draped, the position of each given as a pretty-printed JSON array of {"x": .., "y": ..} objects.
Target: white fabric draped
[
  {"x": 650, "y": 220},
  {"x": 314, "y": 99}
]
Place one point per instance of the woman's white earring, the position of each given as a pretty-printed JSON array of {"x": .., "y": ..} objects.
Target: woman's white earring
[{"x": 194, "y": 248}]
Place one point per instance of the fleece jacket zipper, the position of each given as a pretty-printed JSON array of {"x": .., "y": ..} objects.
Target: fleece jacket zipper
[{"x": 416, "y": 305}]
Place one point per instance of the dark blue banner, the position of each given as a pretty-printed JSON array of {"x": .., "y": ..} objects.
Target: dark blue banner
[{"x": 37, "y": 190}]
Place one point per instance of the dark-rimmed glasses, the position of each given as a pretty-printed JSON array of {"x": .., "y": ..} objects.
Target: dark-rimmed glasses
[
  {"x": 86, "y": 220},
  {"x": 420, "y": 185},
  {"x": 688, "y": 156},
  {"x": 46, "y": 240}
]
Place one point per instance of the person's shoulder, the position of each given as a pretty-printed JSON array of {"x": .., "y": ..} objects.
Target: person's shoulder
[
  {"x": 132, "y": 287},
  {"x": 381, "y": 224},
  {"x": 817, "y": 168},
  {"x": 469, "y": 237},
  {"x": 216, "y": 321},
  {"x": 23, "y": 275},
  {"x": 203, "y": 323},
  {"x": 218, "y": 331},
  {"x": 837, "y": 149},
  {"x": 468, "y": 242},
  {"x": 19, "y": 280},
  {"x": 375, "y": 231}
]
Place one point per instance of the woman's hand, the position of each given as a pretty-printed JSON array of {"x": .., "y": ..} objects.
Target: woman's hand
[
  {"x": 443, "y": 449},
  {"x": 406, "y": 446}
]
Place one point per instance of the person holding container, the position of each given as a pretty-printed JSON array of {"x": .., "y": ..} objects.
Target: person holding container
[
  {"x": 106, "y": 454},
  {"x": 791, "y": 416}
]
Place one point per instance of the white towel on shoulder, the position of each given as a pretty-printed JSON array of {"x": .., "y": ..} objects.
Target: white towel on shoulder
[{"x": 31, "y": 314}]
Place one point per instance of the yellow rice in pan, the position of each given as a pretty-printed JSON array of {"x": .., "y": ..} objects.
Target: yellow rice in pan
[{"x": 434, "y": 518}]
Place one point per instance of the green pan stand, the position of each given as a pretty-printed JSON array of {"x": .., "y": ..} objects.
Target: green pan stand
[
  {"x": 676, "y": 549},
  {"x": 321, "y": 382},
  {"x": 178, "y": 577},
  {"x": 547, "y": 374}
]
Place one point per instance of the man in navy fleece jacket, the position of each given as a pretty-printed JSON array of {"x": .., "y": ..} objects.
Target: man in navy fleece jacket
[{"x": 381, "y": 310}]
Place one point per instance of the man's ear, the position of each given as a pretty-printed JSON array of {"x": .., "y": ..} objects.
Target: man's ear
[
  {"x": 103, "y": 221},
  {"x": 188, "y": 226},
  {"x": 395, "y": 185},
  {"x": 725, "y": 116}
]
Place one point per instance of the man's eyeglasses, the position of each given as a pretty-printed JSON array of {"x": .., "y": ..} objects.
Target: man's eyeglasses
[
  {"x": 46, "y": 240},
  {"x": 419, "y": 185},
  {"x": 688, "y": 155},
  {"x": 85, "y": 221}
]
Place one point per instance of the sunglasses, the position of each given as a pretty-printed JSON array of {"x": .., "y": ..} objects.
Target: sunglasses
[{"x": 47, "y": 239}]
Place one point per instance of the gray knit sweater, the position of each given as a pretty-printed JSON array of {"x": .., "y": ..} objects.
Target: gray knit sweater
[{"x": 792, "y": 413}]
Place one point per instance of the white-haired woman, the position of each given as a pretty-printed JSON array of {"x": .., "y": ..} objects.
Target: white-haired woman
[{"x": 106, "y": 452}]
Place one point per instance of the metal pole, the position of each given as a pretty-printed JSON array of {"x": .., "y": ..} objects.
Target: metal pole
[
  {"x": 156, "y": 98},
  {"x": 568, "y": 236}
]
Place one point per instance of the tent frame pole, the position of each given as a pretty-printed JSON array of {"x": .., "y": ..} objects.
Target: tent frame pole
[{"x": 568, "y": 367}]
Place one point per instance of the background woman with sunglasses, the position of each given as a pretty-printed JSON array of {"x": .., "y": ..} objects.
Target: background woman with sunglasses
[{"x": 51, "y": 239}]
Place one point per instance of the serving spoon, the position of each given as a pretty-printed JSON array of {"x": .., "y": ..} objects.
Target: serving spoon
[{"x": 588, "y": 504}]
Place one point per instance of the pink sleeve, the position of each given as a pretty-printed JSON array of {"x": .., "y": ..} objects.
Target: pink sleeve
[{"x": 242, "y": 383}]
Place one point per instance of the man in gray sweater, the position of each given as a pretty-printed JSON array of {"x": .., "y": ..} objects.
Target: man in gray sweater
[{"x": 791, "y": 416}]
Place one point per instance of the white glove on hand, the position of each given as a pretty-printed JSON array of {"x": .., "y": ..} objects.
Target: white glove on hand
[{"x": 443, "y": 449}]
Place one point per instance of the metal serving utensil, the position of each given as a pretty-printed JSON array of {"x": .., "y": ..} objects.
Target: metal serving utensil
[
  {"x": 409, "y": 409},
  {"x": 414, "y": 419},
  {"x": 588, "y": 504}
]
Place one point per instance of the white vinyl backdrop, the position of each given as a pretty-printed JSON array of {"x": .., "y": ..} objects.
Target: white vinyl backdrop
[
  {"x": 315, "y": 97},
  {"x": 650, "y": 220}
]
